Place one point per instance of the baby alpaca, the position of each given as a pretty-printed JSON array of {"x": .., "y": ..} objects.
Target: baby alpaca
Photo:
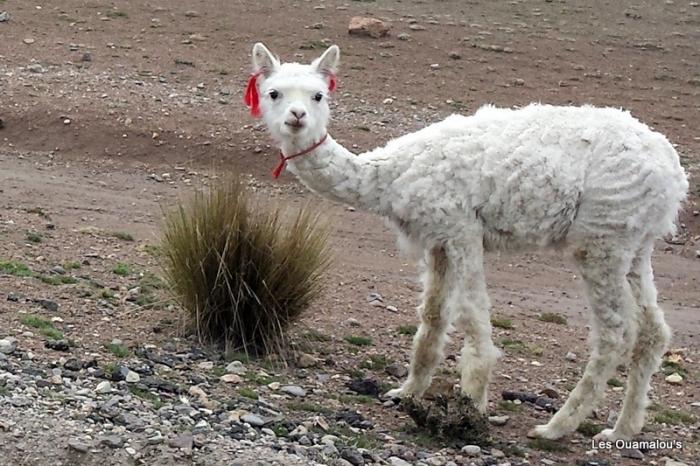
[{"x": 595, "y": 180}]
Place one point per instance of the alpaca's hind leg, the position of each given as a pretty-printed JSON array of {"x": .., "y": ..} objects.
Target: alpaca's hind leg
[
  {"x": 471, "y": 303},
  {"x": 431, "y": 337},
  {"x": 612, "y": 335},
  {"x": 651, "y": 343}
]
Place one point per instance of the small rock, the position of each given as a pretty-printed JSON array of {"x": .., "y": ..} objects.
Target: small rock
[
  {"x": 305, "y": 361},
  {"x": 86, "y": 57},
  {"x": 471, "y": 450},
  {"x": 35, "y": 68},
  {"x": 435, "y": 66},
  {"x": 353, "y": 322},
  {"x": 675, "y": 379},
  {"x": 103, "y": 387},
  {"x": 404, "y": 36},
  {"x": 632, "y": 453},
  {"x": 184, "y": 440},
  {"x": 670, "y": 462},
  {"x": 299, "y": 431},
  {"x": 8, "y": 345},
  {"x": 396, "y": 461},
  {"x": 192, "y": 14},
  {"x": 353, "y": 456},
  {"x": 28, "y": 40},
  {"x": 498, "y": 420},
  {"x": 132, "y": 377},
  {"x": 496, "y": 453},
  {"x": 253, "y": 420},
  {"x": 416, "y": 27},
  {"x": 397, "y": 370},
  {"x": 14, "y": 297},
  {"x": 155, "y": 439},
  {"x": 57, "y": 345},
  {"x": 391, "y": 308},
  {"x": 231, "y": 378},
  {"x": 371, "y": 27},
  {"x": 571, "y": 356},
  {"x": 130, "y": 451},
  {"x": 293, "y": 390},
  {"x": 4, "y": 16},
  {"x": 364, "y": 387},
  {"x": 78, "y": 445},
  {"x": 113, "y": 441},
  {"x": 47, "y": 304},
  {"x": 73, "y": 364},
  {"x": 236, "y": 367},
  {"x": 206, "y": 365},
  {"x": 455, "y": 55}
]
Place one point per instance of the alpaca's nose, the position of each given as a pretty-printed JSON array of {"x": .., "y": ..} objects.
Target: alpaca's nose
[{"x": 299, "y": 114}]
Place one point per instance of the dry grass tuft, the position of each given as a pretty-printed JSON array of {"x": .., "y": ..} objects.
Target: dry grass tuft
[{"x": 242, "y": 274}]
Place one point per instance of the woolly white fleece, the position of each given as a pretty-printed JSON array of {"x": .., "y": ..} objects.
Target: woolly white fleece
[{"x": 594, "y": 179}]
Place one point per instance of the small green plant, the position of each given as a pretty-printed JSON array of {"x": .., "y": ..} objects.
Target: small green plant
[
  {"x": 589, "y": 429},
  {"x": 375, "y": 362},
  {"x": 501, "y": 322},
  {"x": 670, "y": 367},
  {"x": 673, "y": 417},
  {"x": 146, "y": 395},
  {"x": 258, "y": 378},
  {"x": 407, "y": 330},
  {"x": 34, "y": 237},
  {"x": 17, "y": 269},
  {"x": 248, "y": 393},
  {"x": 151, "y": 250},
  {"x": 358, "y": 340},
  {"x": 510, "y": 406},
  {"x": 44, "y": 326},
  {"x": 116, "y": 14},
  {"x": 108, "y": 294},
  {"x": 72, "y": 265},
  {"x": 118, "y": 350},
  {"x": 121, "y": 269},
  {"x": 552, "y": 446},
  {"x": 123, "y": 236},
  {"x": 241, "y": 274},
  {"x": 38, "y": 211},
  {"x": 615, "y": 383},
  {"x": 308, "y": 407},
  {"x": 517, "y": 346},
  {"x": 315, "y": 335},
  {"x": 553, "y": 318},
  {"x": 57, "y": 279}
]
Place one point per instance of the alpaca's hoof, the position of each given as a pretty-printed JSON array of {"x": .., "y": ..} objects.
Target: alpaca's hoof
[
  {"x": 610, "y": 435},
  {"x": 544, "y": 431},
  {"x": 396, "y": 393}
]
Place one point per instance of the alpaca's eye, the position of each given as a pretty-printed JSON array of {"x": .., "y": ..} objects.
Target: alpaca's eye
[
  {"x": 274, "y": 94},
  {"x": 318, "y": 96}
]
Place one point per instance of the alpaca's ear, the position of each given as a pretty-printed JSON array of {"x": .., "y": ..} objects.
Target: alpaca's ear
[
  {"x": 327, "y": 64},
  {"x": 263, "y": 60}
]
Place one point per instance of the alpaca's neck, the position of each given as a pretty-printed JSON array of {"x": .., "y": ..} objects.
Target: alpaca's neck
[{"x": 336, "y": 173}]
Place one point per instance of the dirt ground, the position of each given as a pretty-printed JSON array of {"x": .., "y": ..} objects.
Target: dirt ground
[{"x": 112, "y": 110}]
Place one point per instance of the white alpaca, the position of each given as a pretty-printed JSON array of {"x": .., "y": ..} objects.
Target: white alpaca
[{"x": 593, "y": 179}]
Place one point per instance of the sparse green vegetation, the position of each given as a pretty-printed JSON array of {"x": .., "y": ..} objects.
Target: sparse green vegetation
[
  {"x": 670, "y": 367},
  {"x": 38, "y": 211},
  {"x": 308, "y": 407},
  {"x": 108, "y": 294},
  {"x": 44, "y": 326},
  {"x": 501, "y": 322},
  {"x": 358, "y": 340},
  {"x": 258, "y": 378},
  {"x": 17, "y": 269},
  {"x": 152, "y": 250},
  {"x": 57, "y": 279},
  {"x": 674, "y": 417},
  {"x": 407, "y": 329},
  {"x": 375, "y": 362},
  {"x": 248, "y": 393},
  {"x": 553, "y": 318},
  {"x": 242, "y": 274},
  {"x": 510, "y": 406},
  {"x": 121, "y": 269},
  {"x": 34, "y": 237},
  {"x": 118, "y": 350},
  {"x": 315, "y": 335},
  {"x": 615, "y": 383},
  {"x": 589, "y": 429},
  {"x": 122, "y": 235},
  {"x": 72, "y": 265},
  {"x": 116, "y": 14},
  {"x": 313, "y": 44},
  {"x": 146, "y": 395},
  {"x": 553, "y": 446},
  {"x": 516, "y": 346}
]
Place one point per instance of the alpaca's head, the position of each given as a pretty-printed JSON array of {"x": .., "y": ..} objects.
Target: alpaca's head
[{"x": 294, "y": 97}]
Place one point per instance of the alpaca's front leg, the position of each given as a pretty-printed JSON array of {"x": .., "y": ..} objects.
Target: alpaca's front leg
[{"x": 431, "y": 337}]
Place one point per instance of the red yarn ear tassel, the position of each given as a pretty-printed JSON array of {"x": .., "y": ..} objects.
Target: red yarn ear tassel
[
  {"x": 251, "y": 98},
  {"x": 332, "y": 82}
]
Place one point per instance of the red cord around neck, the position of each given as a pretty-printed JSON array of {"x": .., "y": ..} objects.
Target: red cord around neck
[{"x": 283, "y": 160}]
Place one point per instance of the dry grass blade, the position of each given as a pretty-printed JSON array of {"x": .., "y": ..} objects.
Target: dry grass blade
[{"x": 242, "y": 274}]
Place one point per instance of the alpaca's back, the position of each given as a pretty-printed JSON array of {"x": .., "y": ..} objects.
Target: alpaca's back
[{"x": 541, "y": 174}]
